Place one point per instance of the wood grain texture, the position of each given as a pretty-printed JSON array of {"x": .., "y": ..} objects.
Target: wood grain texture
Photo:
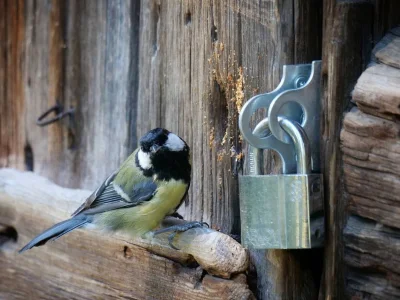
[
  {"x": 349, "y": 29},
  {"x": 178, "y": 90},
  {"x": 346, "y": 51},
  {"x": 81, "y": 54},
  {"x": 378, "y": 90},
  {"x": 389, "y": 55},
  {"x": 12, "y": 35},
  {"x": 199, "y": 62},
  {"x": 385, "y": 17},
  {"x": 370, "y": 143},
  {"x": 86, "y": 53},
  {"x": 128, "y": 66},
  {"x": 371, "y": 154},
  {"x": 93, "y": 265},
  {"x": 371, "y": 246}
]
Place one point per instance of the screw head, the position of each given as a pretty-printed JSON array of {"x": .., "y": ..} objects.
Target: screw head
[{"x": 300, "y": 81}]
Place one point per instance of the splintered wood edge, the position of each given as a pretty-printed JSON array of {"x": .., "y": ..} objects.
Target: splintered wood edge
[
  {"x": 377, "y": 90},
  {"x": 215, "y": 252}
]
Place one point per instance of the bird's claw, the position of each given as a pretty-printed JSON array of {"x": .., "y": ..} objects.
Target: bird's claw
[{"x": 179, "y": 228}]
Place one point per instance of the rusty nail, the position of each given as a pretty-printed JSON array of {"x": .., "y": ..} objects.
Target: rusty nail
[{"x": 60, "y": 114}]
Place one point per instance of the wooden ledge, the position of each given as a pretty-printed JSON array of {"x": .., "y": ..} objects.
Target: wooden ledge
[{"x": 89, "y": 262}]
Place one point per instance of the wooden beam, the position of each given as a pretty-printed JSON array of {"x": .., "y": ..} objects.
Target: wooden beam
[
  {"x": 86, "y": 264},
  {"x": 389, "y": 54},
  {"x": 377, "y": 90},
  {"x": 372, "y": 259},
  {"x": 371, "y": 154},
  {"x": 342, "y": 64},
  {"x": 371, "y": 166}
]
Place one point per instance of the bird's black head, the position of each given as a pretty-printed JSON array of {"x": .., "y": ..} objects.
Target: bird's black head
[{"x": 164, "y": 154}]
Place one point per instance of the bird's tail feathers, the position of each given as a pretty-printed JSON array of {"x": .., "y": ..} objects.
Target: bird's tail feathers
[{"x": 57, "y": 231}]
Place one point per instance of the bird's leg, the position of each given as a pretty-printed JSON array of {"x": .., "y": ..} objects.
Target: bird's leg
[{"x": 179, "y": 228}]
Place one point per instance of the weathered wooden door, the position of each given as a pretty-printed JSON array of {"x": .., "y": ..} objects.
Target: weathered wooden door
[{"x": 128, "y": 66}]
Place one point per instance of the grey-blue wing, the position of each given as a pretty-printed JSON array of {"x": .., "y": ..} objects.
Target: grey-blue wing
[
  {"x": 106, "y": 198},
  {"x": 92, "y": 198},
  {"x": 110, "y": 199}
]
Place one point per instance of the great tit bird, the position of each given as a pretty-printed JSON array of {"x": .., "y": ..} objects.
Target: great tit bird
[{"x": 150, "y": 185}]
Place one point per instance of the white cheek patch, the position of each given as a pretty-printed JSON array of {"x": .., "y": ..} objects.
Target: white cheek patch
[
  {"x": 144, "y": 160},
  {"x": 174, "y": 142}
]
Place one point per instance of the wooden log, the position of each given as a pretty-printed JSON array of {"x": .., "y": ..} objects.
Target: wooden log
[
  {"x": 370, "y": 145},
  {"x": 372, "y": 253},
  {"x": 371, "y": 158},
  {"x": 389, "y": 54},
  {"x": 87, "y": 264},
  {"x": 215, "y": 252},
  {"x": 378, "y": 91}
]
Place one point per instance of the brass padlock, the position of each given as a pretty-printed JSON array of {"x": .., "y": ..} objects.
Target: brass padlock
[{"x": 276, "y": 210}]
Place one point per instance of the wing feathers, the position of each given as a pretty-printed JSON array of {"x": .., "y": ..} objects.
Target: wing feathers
[
  {"x": 111, "y": 196},
  {"x": 89, "y": 201}
]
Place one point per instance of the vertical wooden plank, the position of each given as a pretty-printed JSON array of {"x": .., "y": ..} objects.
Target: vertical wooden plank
[
  {"x": 55, "y": 69},
  {"x": 98, "y": 82},
  {"x": 84, "y": 88},
  {"x": 199, "y": 62},
  {"x": 308, "y": 30},
  {"x": 290, "y": 32},
  {"x": 132, "y": 80},
  {"x": 229, "y": 48},
  {"x": 386, "y": 16},
  {"x": 346, "y": 50},
  {"x": 36, "y": 83},
  {"x": 12, "y": 136},
  {"x": 82, "y": 54},
  {"x": 350, "y": 28}
]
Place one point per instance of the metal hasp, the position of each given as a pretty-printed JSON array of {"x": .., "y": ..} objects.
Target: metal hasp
[{"x": 284, "y": 211}]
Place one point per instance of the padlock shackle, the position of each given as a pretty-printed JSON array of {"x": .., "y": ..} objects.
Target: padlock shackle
[
  {"x": 255, "y": 154},
  {"x": 301, "y": 144},
  {"x": 285, "y": 151}
]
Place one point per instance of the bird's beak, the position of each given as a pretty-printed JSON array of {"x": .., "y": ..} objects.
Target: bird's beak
[{"x": 155, "y": 148}]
